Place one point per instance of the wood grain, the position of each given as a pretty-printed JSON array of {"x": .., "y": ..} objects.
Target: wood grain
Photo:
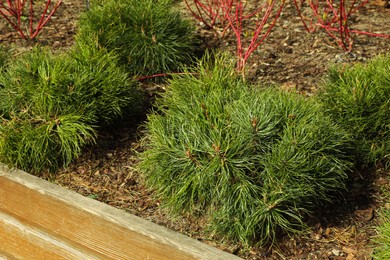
[{"x": 37, "y": 217}]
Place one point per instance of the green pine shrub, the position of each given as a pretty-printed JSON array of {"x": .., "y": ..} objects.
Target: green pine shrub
[
  {"x": 149, "y": 36},
  {"x": 382, "y": 251},
  {"x": 252, "y": 160},
  {"x": 358, "y": 98},
  {"x": 381, "y": 241},
  {"x": 52, "y": 105},
  {"x": 103, "y": 88},
  {"x": 34, "y": 143},
  {"x": 4, "y": 55}
]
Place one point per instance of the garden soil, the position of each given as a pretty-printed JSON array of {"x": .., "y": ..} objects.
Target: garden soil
[{"x": 291, "y": 58}]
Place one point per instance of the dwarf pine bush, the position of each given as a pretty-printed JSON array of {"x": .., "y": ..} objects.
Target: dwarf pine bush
[
  {"x": 103, "y": 87},
  {"x": 381, "y": 241},
  {"x": 51, "y": 106},
  {"x": 358, "y": 98},
  {"x": 253, "y": 160},
  {"x": 382, "y": 251},
  {"x": 4, "y": 54},
  {"x": 149, "y": 36}
]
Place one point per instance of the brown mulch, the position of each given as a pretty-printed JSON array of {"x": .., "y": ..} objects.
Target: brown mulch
[{"x": 289, "y": 57}]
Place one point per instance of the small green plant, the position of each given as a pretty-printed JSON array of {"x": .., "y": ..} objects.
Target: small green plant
[
  {"x": 381, "y": 242},
  {"x": 358, "y": 98},
  {"x": 383, "y": 239},
  {"x": 4, "y": 55},
  {"x": 51, "y": 105},
  {"x": 149, "y": 36},
  {"x": 103, "y": 87},
  {"x": 253, "y": 160},
  {"x": 36, "y": 143}
]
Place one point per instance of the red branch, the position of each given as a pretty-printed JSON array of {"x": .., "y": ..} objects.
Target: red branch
[
  {"x": 267, "y": 15},
  {"x": 333, "y": 16},
  {"x": 13, "y": 11},
  {"x": 208, "y": 12},
  {"x": 233, "y": 14}
]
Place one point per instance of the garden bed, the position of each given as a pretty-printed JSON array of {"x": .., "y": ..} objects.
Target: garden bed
[
  {"x": 40, "y": 220},
  {"x": 290, "y": 57}
]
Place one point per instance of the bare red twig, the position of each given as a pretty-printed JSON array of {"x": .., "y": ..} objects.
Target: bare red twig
[
  {"x": 233, "y": 14},
  {"x": 334, "y": 17},
  {"x": 266, "y": 17},
  {"x": 15, "y": 13},
  {"x": 208, "y": 11}
]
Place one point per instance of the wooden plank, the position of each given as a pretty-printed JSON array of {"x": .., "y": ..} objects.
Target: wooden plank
[
  {"x": 24, "y": 242},
  {"x": 92, "y": 227}
]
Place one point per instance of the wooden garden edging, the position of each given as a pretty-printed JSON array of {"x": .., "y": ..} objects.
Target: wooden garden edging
[{"x": 40, "y": 220}]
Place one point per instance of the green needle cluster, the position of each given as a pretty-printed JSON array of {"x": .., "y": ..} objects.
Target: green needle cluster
[
  {"x": 253, "y": 160},
  {"x": 358, "y": 98},
  {"x": 149, "y": 36},
  {"x": 51, "y": 105}
]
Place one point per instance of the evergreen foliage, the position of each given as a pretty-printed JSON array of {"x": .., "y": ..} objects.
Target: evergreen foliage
[
  {"x": 51, "y": 105},
  {"x": 34, "y": 144},
  {"x": 382, "y": 240},
  {"x": 102, "y": 87},
  {"x": 149, "y": 36},
  {"x": 383, "y": 251},
  {"x": 4, "y": 53},
  {"x": 358, "y": 98},
  {"x": 253, "y": 160}
]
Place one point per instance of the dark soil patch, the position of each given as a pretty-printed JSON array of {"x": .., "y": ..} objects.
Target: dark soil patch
[{"x": 289, "y": 57}]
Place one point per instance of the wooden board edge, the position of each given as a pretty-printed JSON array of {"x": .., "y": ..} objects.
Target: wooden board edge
[{"x": 154, "y": 232}]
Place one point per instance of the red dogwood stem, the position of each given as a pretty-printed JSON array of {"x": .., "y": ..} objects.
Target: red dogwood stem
[
  {"x": 334, "y": 20},
  {"x": 42, "y": 22},
  {"x": 236, "y": 21},
  {"x": 14, "y": 10}
]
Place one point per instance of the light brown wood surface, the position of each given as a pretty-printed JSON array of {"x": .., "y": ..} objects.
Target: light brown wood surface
[{"x": 40, "y": 220}]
